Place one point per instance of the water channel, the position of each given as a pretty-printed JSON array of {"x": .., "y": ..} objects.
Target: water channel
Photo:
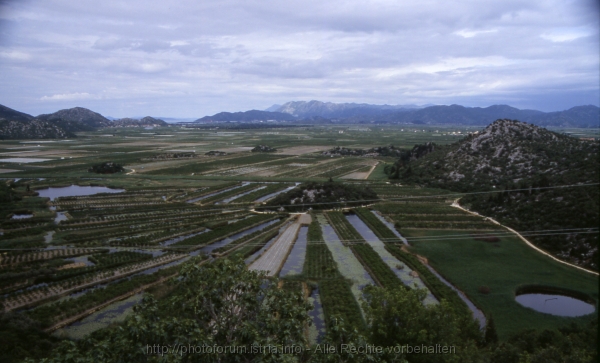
[
  {"x": 295, "y": 260},
  {"x": 403, "y": 274}
]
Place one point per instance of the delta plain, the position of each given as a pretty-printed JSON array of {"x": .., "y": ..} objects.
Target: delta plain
[{"x": 482, "y": 237}]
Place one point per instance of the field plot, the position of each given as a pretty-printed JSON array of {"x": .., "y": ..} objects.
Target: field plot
[
  {"x": 95, "y": 254},
  {"x": 272, "y": 260},
  {"x": 295, "y": 259},
  {"x": 347, "y": 264},
  {"x": 469, "y": 264},
  {"x": 63, "y": 287},
  {"x": 434, "y": 215},
  {"x": 403, "y": 272}
]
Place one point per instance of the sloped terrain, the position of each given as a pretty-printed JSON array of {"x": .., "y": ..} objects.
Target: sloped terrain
[{"x": 510, "y": 155}]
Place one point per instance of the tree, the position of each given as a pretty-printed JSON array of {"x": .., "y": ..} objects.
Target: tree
[
  {"x": 221, "y": 304},
  {"x": 398, "y": 317},
  {"x": 491, "y": 336}
]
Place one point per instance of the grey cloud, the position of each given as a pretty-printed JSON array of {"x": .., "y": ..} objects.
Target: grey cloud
[{"x": 198, "y": 57}]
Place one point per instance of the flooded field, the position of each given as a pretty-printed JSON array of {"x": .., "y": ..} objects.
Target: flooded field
[
  {"x": 295, "y": 260},
  {"x": 111, "y": 314},
  {"x": 347, "y": 263},
  {"x": 75, "y": 190}
]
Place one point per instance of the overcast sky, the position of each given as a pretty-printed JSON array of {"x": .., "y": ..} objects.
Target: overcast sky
[{"x": 191, "y": 58}]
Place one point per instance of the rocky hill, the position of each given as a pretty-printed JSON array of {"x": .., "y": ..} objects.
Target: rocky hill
[
  {"x": 522, "y": 162},
  {"x": 61, "y": 124},
  {"x": 78, "y": 114},
  {"x": 144, "y": 122},
  {"x": 32, "y": 129},
  {"x": 7, "y": 113},
  {"x": 505, "y": 152}
]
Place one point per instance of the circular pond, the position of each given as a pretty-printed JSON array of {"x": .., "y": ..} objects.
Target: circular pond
[{"x": 554, "y": 304}]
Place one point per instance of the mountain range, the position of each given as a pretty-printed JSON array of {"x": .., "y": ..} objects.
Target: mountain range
[
  {"x": 579, "y": 116},
  {"x": 65, "y": 123}
]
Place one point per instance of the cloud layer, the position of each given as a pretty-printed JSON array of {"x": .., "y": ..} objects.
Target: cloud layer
[{"x": 192, "y": 58}]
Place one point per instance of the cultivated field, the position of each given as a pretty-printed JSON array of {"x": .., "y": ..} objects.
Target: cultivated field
[{"x": 64, "y": 258}]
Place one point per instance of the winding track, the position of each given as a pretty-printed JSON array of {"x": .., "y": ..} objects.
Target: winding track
[{"x": 456, "y": 205}]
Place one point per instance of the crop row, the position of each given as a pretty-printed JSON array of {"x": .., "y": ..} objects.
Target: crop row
[
  {"x": 319, "y": 263},
  {"x": 251, "y": 197},
  {"x": 118, "y": 257},
  {"x": 109, "y": 218},
  {"x": 308, "y": 170},
  {"x": 325, "y": 167},
  {"x": 225, "y": 230},
  {"x": 436, "y": 217},
  {"x": 104, "y": 213},
  {"x": 160, "y": 230},
  {"x": 250, "y": 248},
  {"x": 249, "y": 238},
  {"x": 45, "y": 255},
  {"x": 205, "y": 191},
  {"x": 378, "y": 269},
  {"x": 50, "y": 314},
  {"x": 343, "y": 170},
  {"x": 437, "y": 287},
  {"x": 216, "y": 164},
  {"x": 444, "y": 225},
  {"x": 33, "y": 296},
  {"x": 410, "y": 207},
  {"x": 228, "y": 194},
  {"x": 105, "y": 261},
  {"x": 338, "y": 301},
  {"x": 133, "y": 222},
  {"x": 380, "y": 229}
]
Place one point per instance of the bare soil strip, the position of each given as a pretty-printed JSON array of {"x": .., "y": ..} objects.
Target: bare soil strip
[{"x": 272, "y": 260}]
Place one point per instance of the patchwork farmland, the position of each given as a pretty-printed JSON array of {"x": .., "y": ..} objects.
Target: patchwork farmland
[{"x": 200, "y": 195}]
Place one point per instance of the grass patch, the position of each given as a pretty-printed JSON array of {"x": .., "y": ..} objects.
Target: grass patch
[{"x": 503, "y": 267}]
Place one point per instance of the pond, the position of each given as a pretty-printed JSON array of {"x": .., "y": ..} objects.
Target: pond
[
  {"x": 295, "y": 260},
  {"x": 553, "y": 304},
  {"x": 75, "y": 190}
]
